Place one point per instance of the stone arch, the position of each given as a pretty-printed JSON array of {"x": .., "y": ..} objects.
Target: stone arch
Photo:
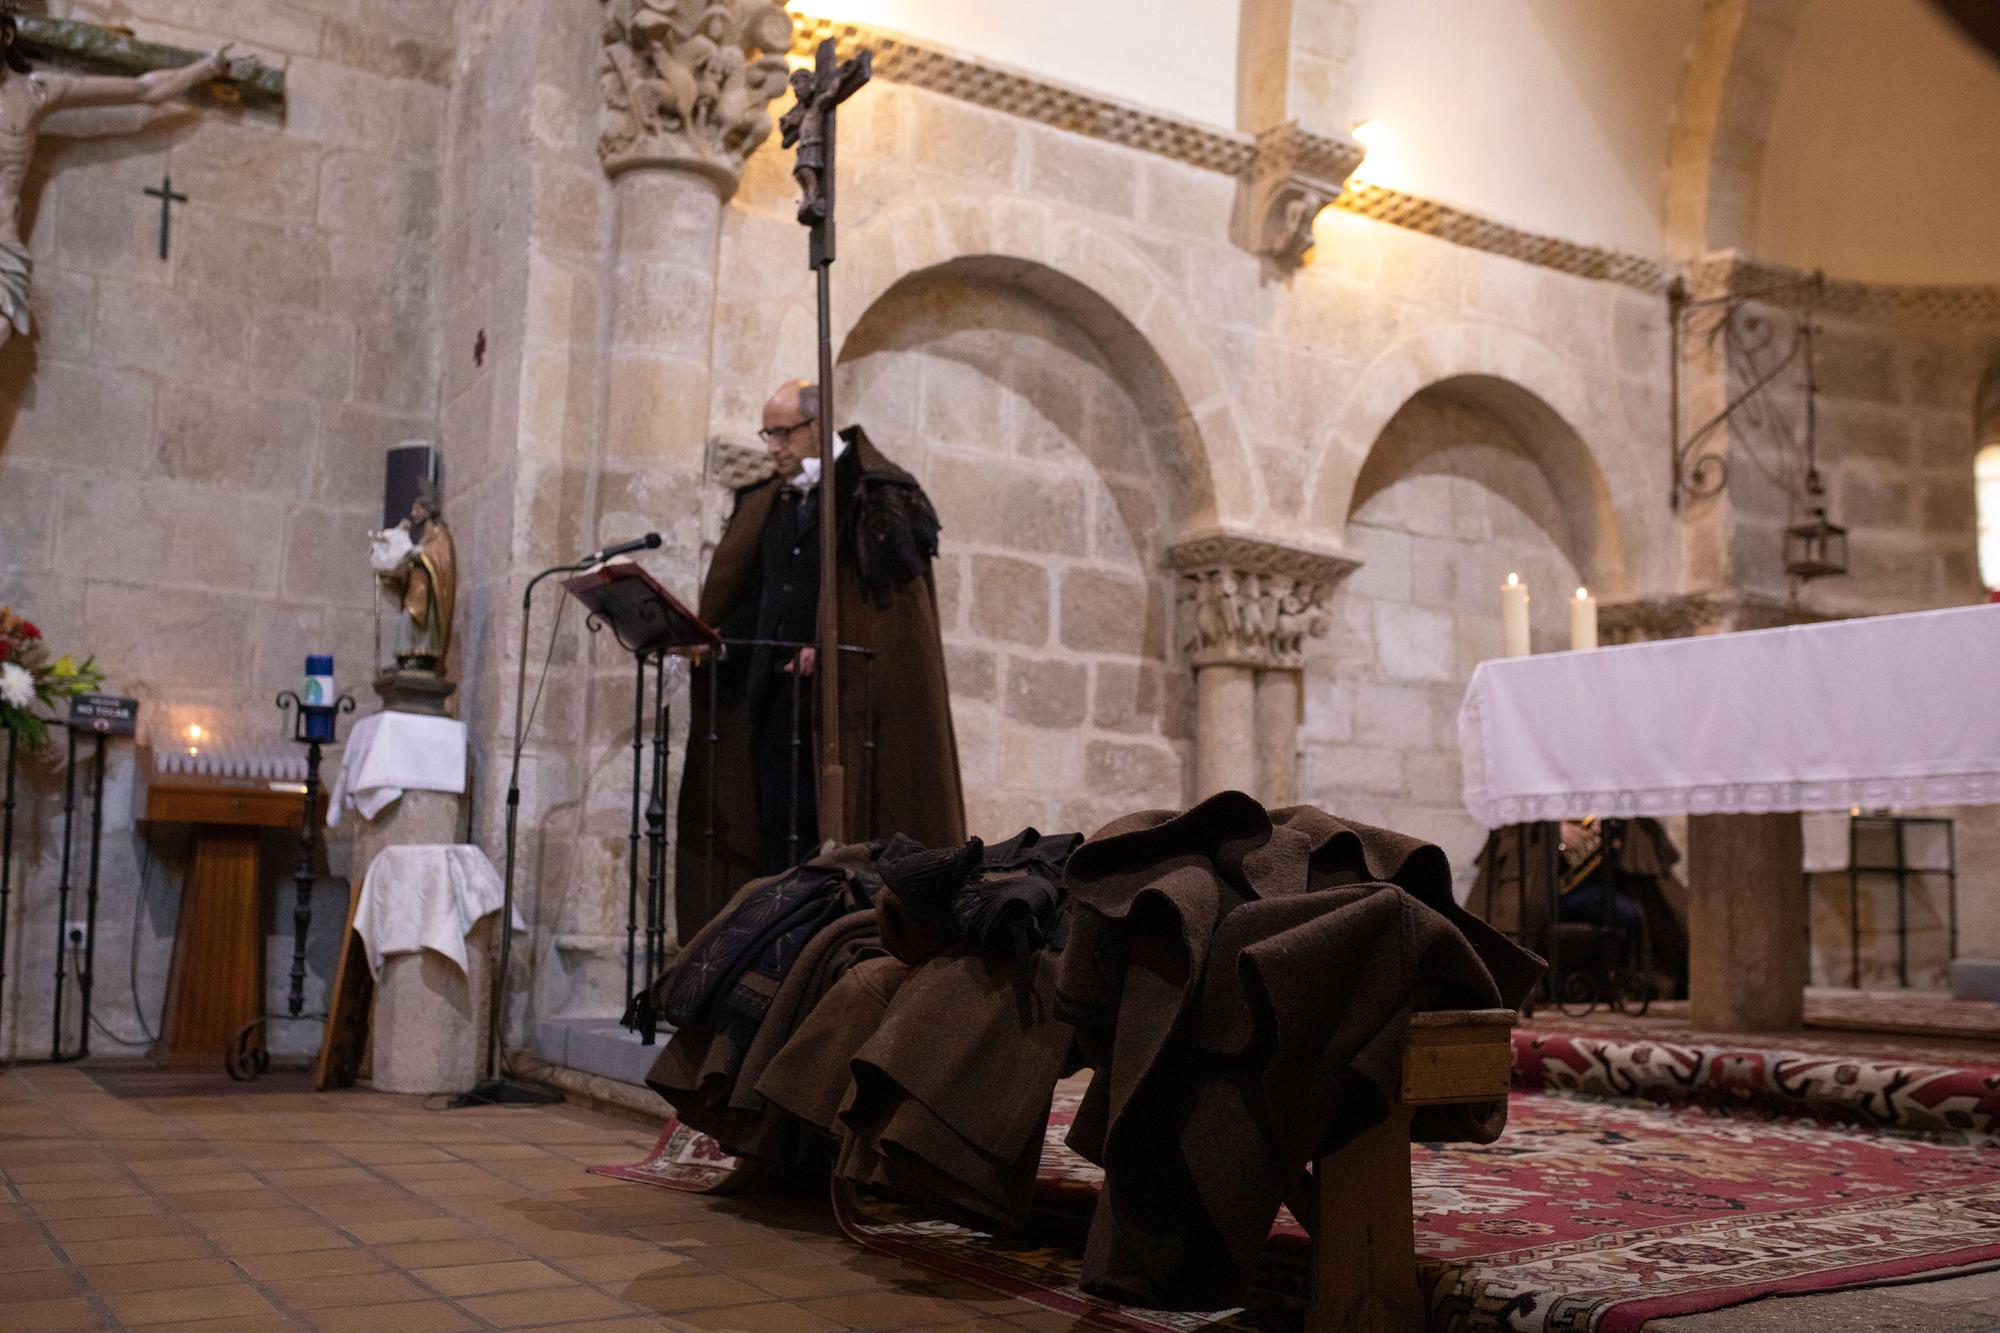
[
  {"x": 1092, "y": 279},
  {"x": 1721, "y": 117},
  {"x": 1544, "y": 401}
]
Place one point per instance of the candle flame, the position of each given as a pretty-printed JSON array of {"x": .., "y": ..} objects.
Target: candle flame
[
  {"x": 1513, "y": 580},
  {"x": 1582, "y": 592},
  {"x": 194, "y": 731}
]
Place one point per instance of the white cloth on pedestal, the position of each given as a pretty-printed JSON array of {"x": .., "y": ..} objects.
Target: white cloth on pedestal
[
  {"x": 390, "y": 753},
  {"x": 426, "y": 897},
  {"x": 1891, "y": 711}
]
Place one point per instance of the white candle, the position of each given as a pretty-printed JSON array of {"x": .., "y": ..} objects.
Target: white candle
[
  {"x": 1514, "y": 616},
  {"x": 1582, "y": 621}
]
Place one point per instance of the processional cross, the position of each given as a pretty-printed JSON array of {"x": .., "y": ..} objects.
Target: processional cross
[{"x": 808, "y": 126}]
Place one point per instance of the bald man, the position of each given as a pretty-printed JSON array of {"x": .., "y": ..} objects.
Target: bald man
[{"x": 763, "y": 584}]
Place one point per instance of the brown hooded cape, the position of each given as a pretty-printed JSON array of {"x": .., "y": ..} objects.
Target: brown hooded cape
[{"x": 887, "y": 604}]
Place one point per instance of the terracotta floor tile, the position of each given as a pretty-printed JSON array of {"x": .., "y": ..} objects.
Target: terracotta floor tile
[
  {"x": 37, "y": 1284},
  {"x": 220, "y": 1182},
  {"x": 690, "y": 1291},
  {"x": 189, "y": 1303},
  {"x": 78, "y": 1171},
  {"x": 627, "y": 1266},
  {"x": 412, "y": 1229},
  {"x": 44, "y": 1191},
  {"x": 288, "y": 1264},
  {"x": 484, "y": 1279},
  {"x": 21, "y": 1258},
  {"x": 777, "y": 1317},
  {"x": 272, "y": 1322},
  {"x": 524, "y": 1309},
  {"x": 114, "y": 1228},
  {"x": 450, "y": 1253},
  {"x": 119, "y": 1205},
  {"x": 281, "y": 1240},
  {"x": 769, "y": 1252},
  {"x": 378, "y": 1154},
  {"x": 818, "y": 1280},
  {"x": 884, "y": 1309},
  {"x": 167, "y": 1275},
  {"x": 320, "y": 1293},
  {"x": 222, "y": 1221},
  {"x": 63, "y": 1316},
  {"x": 136, "y": 1250},
  {"x": 319, "y": 1176},
  {"x": 569, "y": 1244},
  {"x": 406, "y": 1317}
]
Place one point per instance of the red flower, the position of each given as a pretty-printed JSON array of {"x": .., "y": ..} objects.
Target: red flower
[{"x": 28, "y": 630}]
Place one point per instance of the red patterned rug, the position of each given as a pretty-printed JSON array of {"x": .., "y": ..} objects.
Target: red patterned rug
[
  {"x": 1785, "y": 1076},
  {"x": 1586, "y": 1216}
]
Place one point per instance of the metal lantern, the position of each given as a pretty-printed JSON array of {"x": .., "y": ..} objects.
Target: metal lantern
[{"x": 1817, "y": 548}]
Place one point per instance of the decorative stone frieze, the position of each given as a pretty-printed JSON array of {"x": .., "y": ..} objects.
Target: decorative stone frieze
[
  {"x": 1244, "y": 601},
  {"x": 1474, "y": 232},
  {"x": 1031, "y": 98},
  {"x": 688, "y": 85},
  {"x": 1294, "y": 175},
  {"x": 1727, "y": 272}
]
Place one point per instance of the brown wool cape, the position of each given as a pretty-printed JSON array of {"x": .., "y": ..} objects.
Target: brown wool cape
[{"x": 912, "y": 784}]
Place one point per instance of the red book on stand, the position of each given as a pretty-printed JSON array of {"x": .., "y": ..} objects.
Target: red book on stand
[{"x": 644, "y": 615}]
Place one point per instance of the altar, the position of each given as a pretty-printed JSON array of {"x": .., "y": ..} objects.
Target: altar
[{"x": 1742, "y": 732}]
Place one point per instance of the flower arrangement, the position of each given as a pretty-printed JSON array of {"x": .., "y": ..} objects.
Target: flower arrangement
[{"x": 28, "y": 678}]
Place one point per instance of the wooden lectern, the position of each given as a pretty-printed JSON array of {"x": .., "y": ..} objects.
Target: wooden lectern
[{"x": 216, "y": 982}]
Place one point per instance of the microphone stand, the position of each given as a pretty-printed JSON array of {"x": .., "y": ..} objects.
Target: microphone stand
[{"x": 499, "y": 1088}]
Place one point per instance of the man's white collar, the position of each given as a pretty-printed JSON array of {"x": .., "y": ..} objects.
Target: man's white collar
[{"x": 807, "y": 476}]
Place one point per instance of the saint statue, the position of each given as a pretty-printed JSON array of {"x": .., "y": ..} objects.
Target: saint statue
[
  {"x": 416, "y": 562},
  {"x": 27, "y": 98}
]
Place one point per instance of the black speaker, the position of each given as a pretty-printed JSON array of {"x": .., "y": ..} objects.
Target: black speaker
[{"x": 410, "y": 462}]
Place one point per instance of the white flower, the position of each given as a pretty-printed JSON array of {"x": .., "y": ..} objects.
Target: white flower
[{"x": 17, "y": 687}]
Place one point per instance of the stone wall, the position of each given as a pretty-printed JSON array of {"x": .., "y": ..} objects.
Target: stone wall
[{"x": 191, "y": 448}]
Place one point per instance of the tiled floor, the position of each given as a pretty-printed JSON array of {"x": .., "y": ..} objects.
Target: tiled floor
[{"x": 358, "y": 1211}]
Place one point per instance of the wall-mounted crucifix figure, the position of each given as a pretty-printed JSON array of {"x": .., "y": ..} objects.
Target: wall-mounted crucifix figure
[{"x": 27, "y": 98}]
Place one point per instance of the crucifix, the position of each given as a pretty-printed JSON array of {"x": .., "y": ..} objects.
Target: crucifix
[
  {"x": 168, "y": 198},
  {"x": 808, "y": 126}
]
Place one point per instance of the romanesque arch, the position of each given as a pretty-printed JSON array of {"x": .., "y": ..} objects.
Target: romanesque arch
[
  {"x": 1558, "y": 414},
  {"x": 1721, "y": 116}
]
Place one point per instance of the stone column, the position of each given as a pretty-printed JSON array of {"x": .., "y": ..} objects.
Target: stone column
[
  {"x": 1279, "y": 692},
  {"x": 1247, "y": 606},
  {"x": 682, "y": 111},
  {"x": 1225, "y": 744}
]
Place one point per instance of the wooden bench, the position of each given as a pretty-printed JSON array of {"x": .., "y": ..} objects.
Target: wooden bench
[{"x": 1365, "y": 1247}]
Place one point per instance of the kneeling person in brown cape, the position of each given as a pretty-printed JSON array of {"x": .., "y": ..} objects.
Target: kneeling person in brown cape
[{"x": 763, "y": 583}]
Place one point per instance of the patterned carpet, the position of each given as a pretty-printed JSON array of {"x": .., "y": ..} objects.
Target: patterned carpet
[{"x": 1587, "y": 1215}]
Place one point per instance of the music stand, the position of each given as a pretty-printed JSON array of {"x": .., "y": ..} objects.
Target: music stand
[{"x": 650, "y": 623}]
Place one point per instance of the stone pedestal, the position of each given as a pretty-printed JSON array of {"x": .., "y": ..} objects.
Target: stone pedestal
[
  {"x": 416, "y": 818},
  {"x": 429, "y": 1023},
  {"x": 1746, "y": 922},
  {"x": 414, "y": 691}
]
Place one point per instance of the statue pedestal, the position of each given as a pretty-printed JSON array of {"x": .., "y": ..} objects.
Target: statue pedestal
[
  {"x": 414, "y": 691},
  {"x": 429, "y": 1026}
]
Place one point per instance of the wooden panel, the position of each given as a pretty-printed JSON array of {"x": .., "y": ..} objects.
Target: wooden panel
[
  {"x": 245, "y": 806},
  {"x": 1472, "y": 1061},
  {"x": 1747, "y": 919},
  {"x": 346, "y": 1041},
  {"x": 216, "y": 984},
  {"x": 1365, "y": 1255}
]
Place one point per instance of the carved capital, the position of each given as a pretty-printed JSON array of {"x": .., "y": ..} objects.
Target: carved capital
[
  {"x": 1244, "y": 601},
  {"x": 687, "y": 83},
  {"x": 1293, "y": 175}
]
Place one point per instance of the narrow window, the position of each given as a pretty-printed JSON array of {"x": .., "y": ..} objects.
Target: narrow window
[{"x": 1986, "y": 477}]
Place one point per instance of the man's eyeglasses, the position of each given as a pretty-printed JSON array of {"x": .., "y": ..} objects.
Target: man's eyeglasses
[{"x": 771, "y": 434}]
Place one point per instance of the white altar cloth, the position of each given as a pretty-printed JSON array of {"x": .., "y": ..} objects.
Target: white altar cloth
[
  {"x": 389, "y": 753},
  {"x": 1895, "y": 711},
  {"x": 420, "y": 896}
]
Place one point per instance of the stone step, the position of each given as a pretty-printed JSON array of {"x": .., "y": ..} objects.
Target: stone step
[
  {"x": 597, "y": 1046},
  {"x": 1976, "y": 979}
]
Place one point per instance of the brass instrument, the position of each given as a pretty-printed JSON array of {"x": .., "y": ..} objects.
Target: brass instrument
[{"x": 1582, "y": 850}]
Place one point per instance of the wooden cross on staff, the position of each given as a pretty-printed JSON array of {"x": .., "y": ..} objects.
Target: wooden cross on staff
[{"x": 808, "y": 126}]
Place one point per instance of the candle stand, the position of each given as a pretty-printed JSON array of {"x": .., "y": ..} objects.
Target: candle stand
[{"x": 314, "y": 726}]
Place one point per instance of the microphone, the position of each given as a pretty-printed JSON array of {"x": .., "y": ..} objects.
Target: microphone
[{"x": 649, "y": 542}]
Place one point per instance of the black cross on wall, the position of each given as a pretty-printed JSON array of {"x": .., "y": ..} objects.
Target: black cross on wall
[{"x": 168, "y": 198}]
